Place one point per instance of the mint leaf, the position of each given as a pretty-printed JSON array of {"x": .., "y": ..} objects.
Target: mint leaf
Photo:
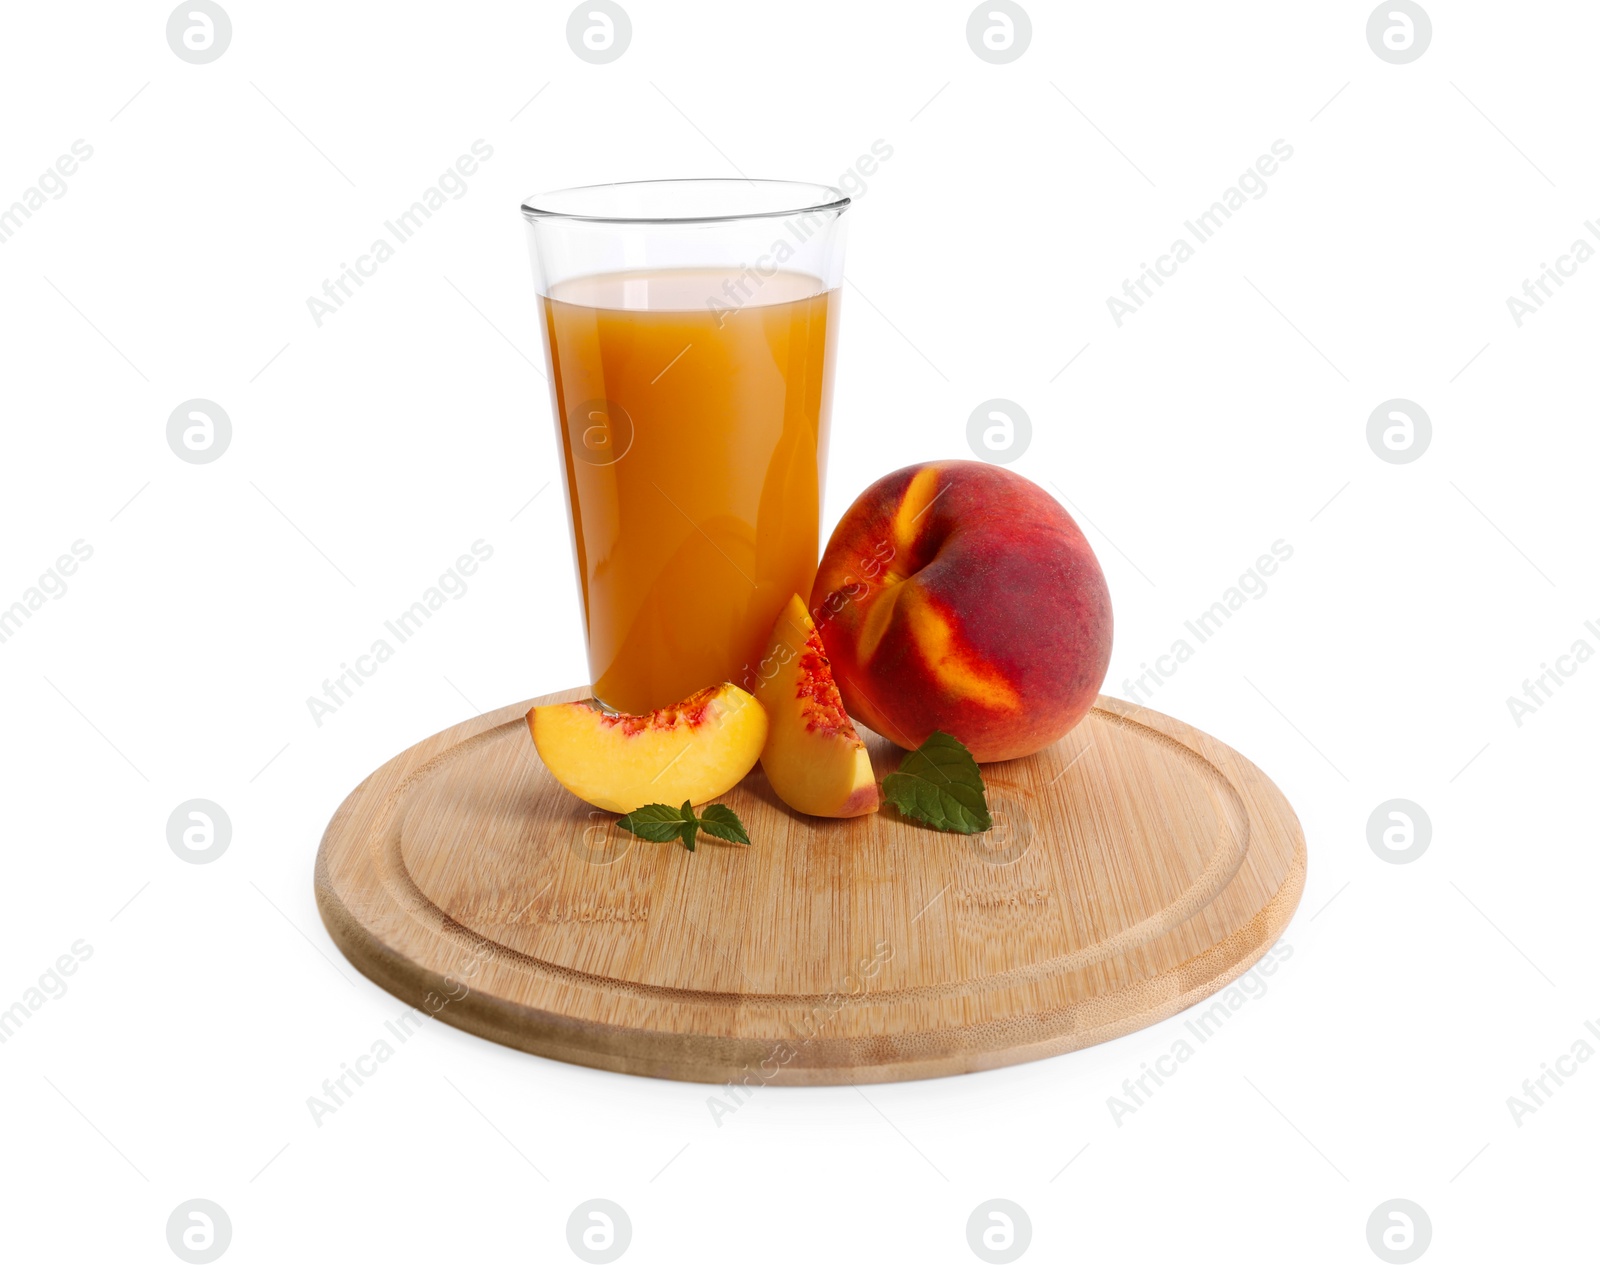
[
  {"x": 721, "y": 822},
  {"x": 655, "y": 822},
  {"x": 939, "y": 783},
  {"x": 661, "y": 822}
]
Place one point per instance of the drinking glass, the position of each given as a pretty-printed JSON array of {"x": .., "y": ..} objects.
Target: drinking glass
[{"x": 689, "y": 328}]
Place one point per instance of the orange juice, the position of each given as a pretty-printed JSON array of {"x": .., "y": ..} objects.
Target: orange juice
[{"x": 693, "y": 410}]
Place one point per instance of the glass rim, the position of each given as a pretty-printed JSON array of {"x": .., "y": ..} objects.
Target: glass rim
[{"x": 817, "y": 198}]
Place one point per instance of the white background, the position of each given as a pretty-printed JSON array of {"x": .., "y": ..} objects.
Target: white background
[{"x": 368, "y": 453}]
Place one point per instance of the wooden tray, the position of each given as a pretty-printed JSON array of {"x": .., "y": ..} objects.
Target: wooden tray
[{"x": 1135, "y": 867}]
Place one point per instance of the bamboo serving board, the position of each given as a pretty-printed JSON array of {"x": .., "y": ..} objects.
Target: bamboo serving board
[{"x": 1135, "y": 867}]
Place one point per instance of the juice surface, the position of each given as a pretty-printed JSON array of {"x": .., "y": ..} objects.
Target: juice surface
[{"x": 695, "y": 442}]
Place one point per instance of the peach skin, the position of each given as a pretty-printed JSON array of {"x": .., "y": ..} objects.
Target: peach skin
[{"x": 962, "y": 597}]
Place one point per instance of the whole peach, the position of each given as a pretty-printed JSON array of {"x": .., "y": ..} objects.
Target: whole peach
[{"x": 960, "y": 596}]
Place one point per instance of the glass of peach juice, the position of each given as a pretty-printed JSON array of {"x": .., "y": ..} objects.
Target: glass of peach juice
[{"x": 689, "y": 329}]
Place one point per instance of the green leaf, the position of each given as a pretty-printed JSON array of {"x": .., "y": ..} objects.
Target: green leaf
[
  {"x": 661, "y": 822},
  {"x": 939, "y": 783},
  {"x": 721, "y": 822},
  {"x": 655, "y": 822}
]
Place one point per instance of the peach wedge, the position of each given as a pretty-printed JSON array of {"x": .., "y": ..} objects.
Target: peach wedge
[
  {"x": 814, "y": 758},
  {"x": 695, "y": 750}
]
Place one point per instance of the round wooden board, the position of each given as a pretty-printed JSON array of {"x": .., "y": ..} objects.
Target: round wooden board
[{"x": 1135, "y": 867}]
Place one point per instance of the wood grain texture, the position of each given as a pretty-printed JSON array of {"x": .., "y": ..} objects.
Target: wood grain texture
[{"x": 1135, "y": 868}]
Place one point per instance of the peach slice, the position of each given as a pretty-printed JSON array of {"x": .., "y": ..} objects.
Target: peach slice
[
  {"x": 814, "y": 758},
  {"x": 694, "y": 750}
]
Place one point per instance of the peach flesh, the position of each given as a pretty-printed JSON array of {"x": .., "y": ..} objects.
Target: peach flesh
[
  {"x": 695, "y": 750},
  {"x": 814, "y": 759}
]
